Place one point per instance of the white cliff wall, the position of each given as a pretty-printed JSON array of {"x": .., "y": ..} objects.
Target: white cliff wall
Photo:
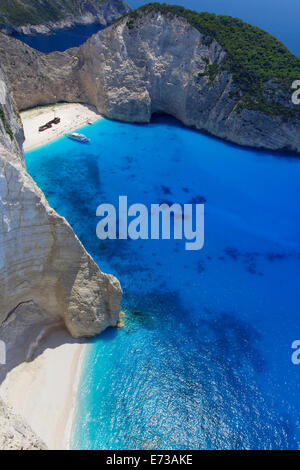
[
  {"x": 41, "y": 259},
  {"x": 156, "y": 63}
]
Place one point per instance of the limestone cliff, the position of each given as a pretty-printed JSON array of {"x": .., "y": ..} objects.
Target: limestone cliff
[
  {"x": 43, "y": 17},
  {"x": 37, "y": 78},
  {"x": 159, "y": 63},
  {"x": 15, "y": 434},
  {"x": 152, "y": 62},
  {"x": 41, "y": 259}
]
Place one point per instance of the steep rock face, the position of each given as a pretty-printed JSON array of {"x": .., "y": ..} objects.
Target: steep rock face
[
  {"x": 156, "y": 64},
  {"x": 37, "y": 78},
  {"x": 36, "y": 17},
  {"x": 41, "y": 259},
  {"x": 15, "y": 434}
]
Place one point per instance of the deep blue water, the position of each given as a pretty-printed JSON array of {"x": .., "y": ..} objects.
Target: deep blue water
[
  {"x": 204, "y": 358},
  {"x": 61, "y": 40},
  {"x": 275, "y": 16}
]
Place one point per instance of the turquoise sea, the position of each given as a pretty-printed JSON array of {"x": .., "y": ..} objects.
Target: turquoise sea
[{"x": 204, "y": 358}]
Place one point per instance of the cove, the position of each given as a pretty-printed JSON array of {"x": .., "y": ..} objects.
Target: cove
[{"x": 204, "y": 358}]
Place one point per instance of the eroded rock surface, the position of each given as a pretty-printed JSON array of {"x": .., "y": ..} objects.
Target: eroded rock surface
[
  {"x": 15, "y": 434},
  {"x": 158, "y": 65}
]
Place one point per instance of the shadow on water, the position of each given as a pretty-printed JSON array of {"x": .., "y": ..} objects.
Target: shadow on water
[
  {"x": 161, "y": 118},
  {"x": 108, "y": 335}
]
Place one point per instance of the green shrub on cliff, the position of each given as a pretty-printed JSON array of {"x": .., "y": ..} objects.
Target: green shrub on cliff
[
  {"x": 5, "y": 123},
  {"x": 252, "y": 52},
  {"x": 253, "y": 55}
]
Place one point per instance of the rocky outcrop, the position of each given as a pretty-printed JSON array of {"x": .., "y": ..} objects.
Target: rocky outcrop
[
  {"x": 15, "y": 434},
  {"x": 158, "y": 63},
  {"x": 36, "y": 78},
  {"x": 29, "y": 17}
]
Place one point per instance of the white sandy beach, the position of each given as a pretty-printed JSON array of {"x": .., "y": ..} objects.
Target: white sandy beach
[
  {"x": 44, "y": 390},
  {"x": 72, "y": 115}
]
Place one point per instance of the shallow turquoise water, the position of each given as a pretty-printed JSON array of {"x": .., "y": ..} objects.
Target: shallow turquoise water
[{"x": 204, "y": 359}]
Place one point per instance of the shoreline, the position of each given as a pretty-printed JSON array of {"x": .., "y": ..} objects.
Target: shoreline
[
  {"x": 72, "y": 414},
  {"x": 43, "y": 390},
  {"x": 72, "y": 115},
  {"x": 42, "y": 376}
]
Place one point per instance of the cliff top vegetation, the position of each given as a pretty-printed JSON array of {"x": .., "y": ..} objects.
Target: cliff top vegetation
[{"x": 253, "y": 56}]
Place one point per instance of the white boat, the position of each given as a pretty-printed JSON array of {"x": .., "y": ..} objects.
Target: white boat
[{"x": 78, "y": 137}]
